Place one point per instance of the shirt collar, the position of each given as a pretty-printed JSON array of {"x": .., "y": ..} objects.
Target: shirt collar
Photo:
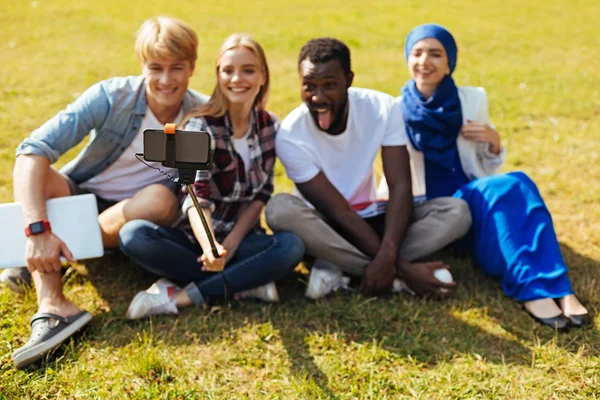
[{"x": 251, "y": 127}]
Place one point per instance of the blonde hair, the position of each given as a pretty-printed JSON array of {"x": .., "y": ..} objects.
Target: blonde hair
[
  {"x": 218, "y": 104},
  {"x": 166, "y": 37}
]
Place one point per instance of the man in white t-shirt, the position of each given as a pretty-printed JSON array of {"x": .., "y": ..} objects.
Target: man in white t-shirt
[
  {"x": 114, "y": 113},
  {"x": 328, "y": 146}
]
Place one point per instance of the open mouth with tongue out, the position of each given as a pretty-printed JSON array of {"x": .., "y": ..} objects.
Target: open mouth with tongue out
[{"x": 323, "y": 116}]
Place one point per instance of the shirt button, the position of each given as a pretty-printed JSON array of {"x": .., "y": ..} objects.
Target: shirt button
[{"x": 453, "y": 169}]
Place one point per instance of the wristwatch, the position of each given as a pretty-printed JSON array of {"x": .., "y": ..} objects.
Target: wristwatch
[{"x": 37, "y": 227}]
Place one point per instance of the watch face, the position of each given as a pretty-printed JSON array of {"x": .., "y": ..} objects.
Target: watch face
[{"x": 37, "y": 227}]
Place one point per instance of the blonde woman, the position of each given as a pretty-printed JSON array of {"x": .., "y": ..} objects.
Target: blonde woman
[{"x": 232, "y": 195}]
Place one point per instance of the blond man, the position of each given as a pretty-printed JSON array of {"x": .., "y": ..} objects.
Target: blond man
[{"x": 114, "y": 113}]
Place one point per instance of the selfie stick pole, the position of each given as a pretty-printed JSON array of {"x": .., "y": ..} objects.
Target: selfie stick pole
[
  {"x": 203, "y": 218},
  {"x": 187, "y": 178}
]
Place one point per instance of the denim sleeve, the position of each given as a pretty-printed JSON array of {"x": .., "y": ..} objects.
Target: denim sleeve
[{"x": 69, "y": 127}]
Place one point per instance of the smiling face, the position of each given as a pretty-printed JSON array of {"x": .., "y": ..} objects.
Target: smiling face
[
  {"x": 166, "y": 82},
  {"x": 324, "y": 90},
  {"x": 428, "y": 64},
  {"x": 240, "y": 76}
]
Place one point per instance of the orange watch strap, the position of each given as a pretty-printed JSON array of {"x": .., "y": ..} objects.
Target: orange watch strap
[{"x": 40, "y": 227}]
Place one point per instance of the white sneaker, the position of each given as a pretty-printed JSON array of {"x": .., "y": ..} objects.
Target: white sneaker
[
  {"x": 266, "y": 293},
  {"x": 157, "y": 299},
  {"x": 321, "y": 282},
  {"x": 401, "y": 286},
  {"x": 16, "y": 279}
]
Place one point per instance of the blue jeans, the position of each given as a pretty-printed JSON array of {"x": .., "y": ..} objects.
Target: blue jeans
[{"x": 168, "y": 252}]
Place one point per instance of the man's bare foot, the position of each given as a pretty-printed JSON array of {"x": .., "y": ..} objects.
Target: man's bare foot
[
  {"x": 571, "y": 306},
  {"x": 543, "y": 308},
  {"x": 59, "y": 306}
]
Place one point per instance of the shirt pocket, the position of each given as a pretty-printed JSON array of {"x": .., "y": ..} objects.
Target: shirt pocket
[
  {"x": 223, "y": 161},
  {"x": 105, "y": 146},
  {"x": 108, "y": 136}
]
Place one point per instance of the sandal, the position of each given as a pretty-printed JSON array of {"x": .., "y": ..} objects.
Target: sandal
[{"x": 48, "y": 331}]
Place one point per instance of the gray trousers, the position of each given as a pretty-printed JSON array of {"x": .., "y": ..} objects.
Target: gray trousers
[{"x": 434, "y": 224}]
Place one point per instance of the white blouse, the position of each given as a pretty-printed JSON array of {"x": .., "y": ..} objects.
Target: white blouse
[{"x": 475, "y": 157}]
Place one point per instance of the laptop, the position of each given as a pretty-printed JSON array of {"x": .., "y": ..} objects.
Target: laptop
[{"x": 74, "y": 220}]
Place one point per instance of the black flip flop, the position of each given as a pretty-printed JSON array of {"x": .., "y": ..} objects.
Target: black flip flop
[{"x": 48, "y": 331}]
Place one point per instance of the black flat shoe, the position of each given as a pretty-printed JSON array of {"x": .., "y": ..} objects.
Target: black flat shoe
[
  {"x": 577, "y": 320},
  {"x": 580, "y": 320},
  {"x": 560, "y": 322}
]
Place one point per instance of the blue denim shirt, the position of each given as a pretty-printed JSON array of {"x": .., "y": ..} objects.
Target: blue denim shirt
[{"x": 111, "y": 112}]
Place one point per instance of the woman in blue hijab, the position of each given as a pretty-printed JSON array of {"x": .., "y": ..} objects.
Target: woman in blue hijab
[{"x": 456, "y": 151}]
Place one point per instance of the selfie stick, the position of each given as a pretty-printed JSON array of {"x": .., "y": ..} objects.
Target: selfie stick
[{"x": 187, "y": 178}]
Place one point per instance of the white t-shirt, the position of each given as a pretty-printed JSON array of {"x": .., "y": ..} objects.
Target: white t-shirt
[
  {"x": 241, "y": 146},
  {"x": 127, "y": 175},
  {"x": 374, "y": 120}
]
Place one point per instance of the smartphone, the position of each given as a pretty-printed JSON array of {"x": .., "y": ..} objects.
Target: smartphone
[{"x": 190, "y": 147}]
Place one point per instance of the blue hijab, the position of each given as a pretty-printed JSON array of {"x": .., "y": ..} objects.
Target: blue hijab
[{"x": 433, "y": 124}]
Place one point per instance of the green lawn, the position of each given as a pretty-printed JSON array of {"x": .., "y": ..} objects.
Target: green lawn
[{"x": 539, "y": 63}]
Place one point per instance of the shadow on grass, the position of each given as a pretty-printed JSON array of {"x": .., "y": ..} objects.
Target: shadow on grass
[{"x": 479, "y": 320}]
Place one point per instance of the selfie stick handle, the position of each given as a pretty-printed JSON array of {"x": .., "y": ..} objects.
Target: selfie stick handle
[{"x": 204, "y": 222}]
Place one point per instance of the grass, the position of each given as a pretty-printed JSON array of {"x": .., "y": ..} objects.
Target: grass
[{"x": 538, "y": 61}]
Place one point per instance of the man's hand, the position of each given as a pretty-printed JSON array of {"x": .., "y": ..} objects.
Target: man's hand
[
  {"x": 378, "y": 277},
  {"x": 43, "y": 251},
  {"x": 419, "y": 277},
  {"x": 484, "y": 133},
  {"x": 211, "y": 263},
  {"x": 231, "y": 245}
]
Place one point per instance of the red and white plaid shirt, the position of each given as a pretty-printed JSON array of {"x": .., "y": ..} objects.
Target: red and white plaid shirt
[{"x": 227, "y": 188}]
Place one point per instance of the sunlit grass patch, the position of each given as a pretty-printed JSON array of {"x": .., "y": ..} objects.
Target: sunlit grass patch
[{"x": 538, "y": 63}]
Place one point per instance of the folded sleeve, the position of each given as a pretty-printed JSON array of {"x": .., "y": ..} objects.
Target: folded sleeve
[
  {"x": 70, "y": 126},
  {"x": 489, "y": 162}
]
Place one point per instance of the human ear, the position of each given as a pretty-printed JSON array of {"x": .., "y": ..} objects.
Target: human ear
[{"x": 349, "y": 79}]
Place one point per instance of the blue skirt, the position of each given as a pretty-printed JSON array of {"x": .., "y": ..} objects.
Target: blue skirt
[{"x": 512, "y": 237}]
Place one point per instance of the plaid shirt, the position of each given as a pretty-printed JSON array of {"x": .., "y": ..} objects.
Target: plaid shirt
[{"x": 227, "y": 189}]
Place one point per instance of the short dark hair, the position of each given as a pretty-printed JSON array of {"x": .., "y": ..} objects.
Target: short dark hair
[{"x": 322, "y": 50}]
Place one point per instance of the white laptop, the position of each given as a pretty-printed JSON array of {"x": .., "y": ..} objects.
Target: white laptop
[{"x": 74, "y": 220}]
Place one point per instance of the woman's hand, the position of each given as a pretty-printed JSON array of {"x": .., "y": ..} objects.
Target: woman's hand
[
  {"x": 484, "y": 133},
  {"x": 211, "y": 263}
]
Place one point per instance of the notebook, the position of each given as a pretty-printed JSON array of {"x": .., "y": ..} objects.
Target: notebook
[{"x": 73, "y": 219}]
